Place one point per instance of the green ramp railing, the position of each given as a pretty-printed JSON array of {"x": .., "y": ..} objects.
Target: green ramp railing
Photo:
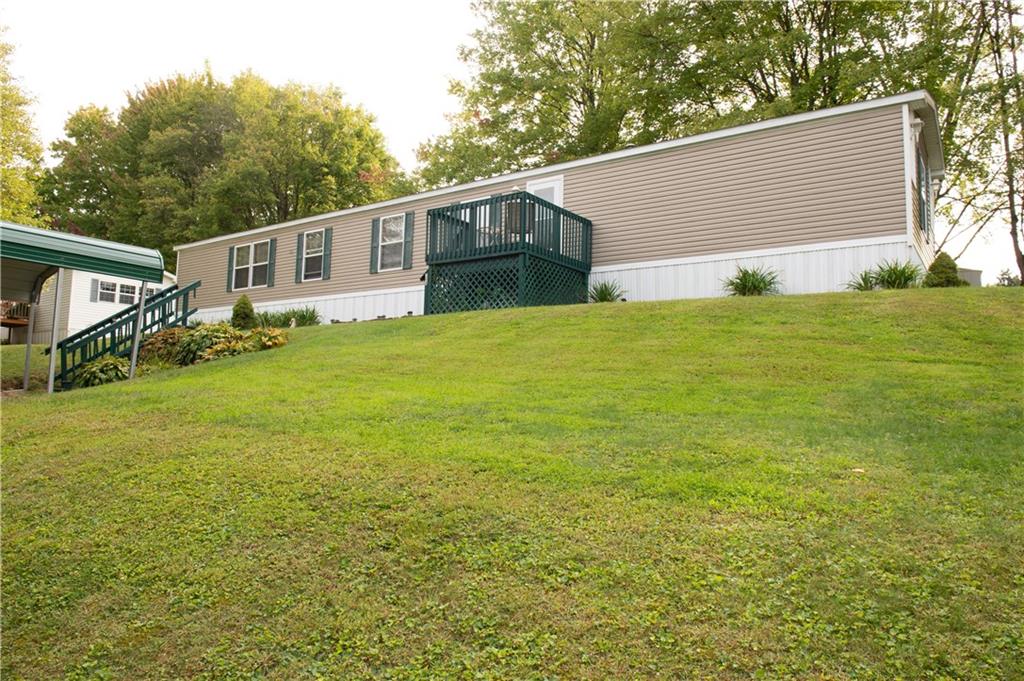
[{"x": 114, "y": 335}]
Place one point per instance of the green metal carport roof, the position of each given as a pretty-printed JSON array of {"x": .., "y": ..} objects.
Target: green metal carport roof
[{"x": 27, "y": 252}]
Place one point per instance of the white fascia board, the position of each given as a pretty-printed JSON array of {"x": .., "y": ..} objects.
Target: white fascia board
[{"x": 919, "y": 98}]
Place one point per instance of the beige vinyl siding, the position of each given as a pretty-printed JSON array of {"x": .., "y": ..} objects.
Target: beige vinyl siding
[{"x": 831, "y": 179}]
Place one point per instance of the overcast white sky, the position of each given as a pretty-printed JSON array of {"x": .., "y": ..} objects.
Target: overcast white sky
[{"x": 393, "y": 57}]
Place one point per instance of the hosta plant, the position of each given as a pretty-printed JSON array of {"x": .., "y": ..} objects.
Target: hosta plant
[
  {"x": 198, "y": 340},
  {"x": 100, "y": 371}
]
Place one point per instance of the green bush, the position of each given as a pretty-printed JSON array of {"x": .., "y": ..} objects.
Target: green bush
[
  {"x": 162, "y": 346},
  {"x": 865, "y": 281},
  {"x": 892, "y": 274},
  {"x": 303, "y": 316},
  {"x": 201, "y": 338},
  {"x": 943, "y": 273},
  {"x": 226, "y": 348},
  {"x": 754, "y": 281},
  {"x": 606, "y": 292},
  {"x": 108, "y": 369},
  {"x": 266, "y": 338},
  {"x": 243, "y": 316}
]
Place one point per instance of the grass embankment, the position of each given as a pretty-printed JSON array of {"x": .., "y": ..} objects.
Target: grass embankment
[
  {"x": 12, "y": 367},
  {"x": 816, "y": 486}
]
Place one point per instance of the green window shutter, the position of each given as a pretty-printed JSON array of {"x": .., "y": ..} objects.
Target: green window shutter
[
  {"x": 328, "y": 236},
  {"x": 374, "y": 244},
  {"x": 94, "y": 290},
  {"x": 231, "y": 268},
  {"x": 410, "y": 225},
  {"x": 299, "y": 242},
  {"x": 271, "y": 257}
]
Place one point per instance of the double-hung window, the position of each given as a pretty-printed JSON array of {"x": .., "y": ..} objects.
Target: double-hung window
[
  {"x": 126, "y": 295},
  {"x": 392, "y": 243},
  {"x": 107, "y": 292},
  {"x": 313, "y": 255},
  {"x": 252, "y": 265}
]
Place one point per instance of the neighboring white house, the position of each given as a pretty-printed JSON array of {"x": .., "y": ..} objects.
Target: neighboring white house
[{"x": 88, "y": 298}]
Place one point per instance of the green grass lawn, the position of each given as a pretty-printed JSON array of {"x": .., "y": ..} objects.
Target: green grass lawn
[
  {"x": 808, "y": 486},
  {"x": 12, "y": 367}
]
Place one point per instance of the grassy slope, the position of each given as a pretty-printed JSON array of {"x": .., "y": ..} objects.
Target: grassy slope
[
  {"x": 12, "y": 367},
  {"x": 821, "y": 485}
]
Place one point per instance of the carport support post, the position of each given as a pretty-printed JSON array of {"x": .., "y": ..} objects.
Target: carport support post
[
  {"x": 33, "y": 303},
  {"x": 55, "y": 330},
  {"x": 138, "y": 330}
]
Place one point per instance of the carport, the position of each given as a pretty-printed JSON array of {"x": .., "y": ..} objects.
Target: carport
[{"x": 29, "y": 256}]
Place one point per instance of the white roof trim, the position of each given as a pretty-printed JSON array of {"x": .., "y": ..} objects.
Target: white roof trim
[{"x": 919, "y": 97}]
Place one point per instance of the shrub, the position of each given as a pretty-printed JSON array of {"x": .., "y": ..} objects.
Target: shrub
[
  {"x": 865, "y": 281},
  {"x": 943, "y": 273},
  {"x": 243, "y": 316},
  {"x": 1007, "y": 279},
  {"x": 892, "y": 274},
  {"x": 754, "y": 281},
  {"x": 303, "y": 316},
  {"x": 199, "y": 339},
  {"x": 266, "y": 338},
  {"x": 108, "y": 369},
  {"x": 606, "y": 292},
  {"x": 226, "y": 348},
  {"x": 161, "y": 347}
]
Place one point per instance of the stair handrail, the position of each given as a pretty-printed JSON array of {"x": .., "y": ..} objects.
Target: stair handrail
[{"x": 128, "y": 311}]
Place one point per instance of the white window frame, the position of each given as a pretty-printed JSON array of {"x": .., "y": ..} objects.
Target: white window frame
[
  {"x": 380, "y": 242},
  {"x": 121, "y": 293},
  {"x": 557, "y": 183},
  {"x": 252, "y": 263},
  {"x": 306, "y": 254},
  {"x": 100, "y": 291}
]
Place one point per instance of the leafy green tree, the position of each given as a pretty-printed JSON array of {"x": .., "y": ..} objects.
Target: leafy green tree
[
  {"x": 20, "y": 151},
  {"x": 190, "y": 158},
  {"x": 554, "y": 81}
]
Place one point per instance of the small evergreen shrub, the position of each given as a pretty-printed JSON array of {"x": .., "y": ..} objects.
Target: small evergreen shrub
[
  {"x": 243, "y": 316},
  {"x": 266, "y": 338},
  {"x": 606, "y": 292},
  {"x": 865, "y": 281},
  {"x": 201, "y": 338},
  {"x": 943, "y": 273},
  {"x": 753, "y": 281},
  {"x": 303, "y": 316},
  {"x": 108, "y": 369},
  {"x": 893, "y": 274},
  {"x": 162, "y": 346}
]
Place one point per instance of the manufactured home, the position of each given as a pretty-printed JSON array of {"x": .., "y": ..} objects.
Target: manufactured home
[
  {"x": 86, "y": 298},
  {"x": 817, "y": 196}
]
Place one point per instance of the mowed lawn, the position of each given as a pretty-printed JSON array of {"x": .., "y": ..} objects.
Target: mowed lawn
[{"x": 807, "y": 486}]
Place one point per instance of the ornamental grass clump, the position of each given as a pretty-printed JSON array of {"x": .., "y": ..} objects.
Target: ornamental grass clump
[
  {"x": 606, "y": 292},
  {"x": 865, "y": 281},
  {"x": 897, "y": 275},
  {"x": 303, "y": 316},
  {"x": 753, "y": 281}
]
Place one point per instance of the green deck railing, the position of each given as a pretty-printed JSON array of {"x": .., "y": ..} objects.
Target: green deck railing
[
  {"x": 518, "y": 222},
  {"x": 114, "y": 335}
]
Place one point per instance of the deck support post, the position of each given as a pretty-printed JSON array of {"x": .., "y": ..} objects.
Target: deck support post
[
  {"x": 138, "y": 330},
  {"x": 55, "y": 329}
]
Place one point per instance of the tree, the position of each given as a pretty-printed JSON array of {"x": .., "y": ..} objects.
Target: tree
[
  {"x": 943, "y": 273},
  {"x": 190, "y": 157},
  {"x": 20, "y": 151},
  {"x": 554, "y": 81}
]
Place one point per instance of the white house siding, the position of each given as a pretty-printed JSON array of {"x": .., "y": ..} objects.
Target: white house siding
[
  {"x": 815, "y": 268},
  {"x": 345, "y": 307}
]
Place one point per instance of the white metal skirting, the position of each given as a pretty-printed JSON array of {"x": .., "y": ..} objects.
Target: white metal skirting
[
  {"x": 816, "y": 268},
  {"x": 345, "y": 307}
]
